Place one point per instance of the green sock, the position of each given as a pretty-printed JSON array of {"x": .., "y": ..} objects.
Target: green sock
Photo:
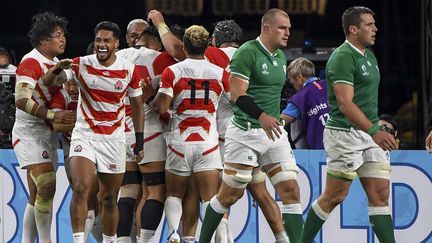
[
  {"x": 209, "y": 225},
  {"x": 311, "y": 227},
  {"x": 382, "y": 225},
  {"x": 293, "y": 224}
]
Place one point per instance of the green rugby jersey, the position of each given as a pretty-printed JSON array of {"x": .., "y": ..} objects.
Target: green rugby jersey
[
  {"x": 348, "y": 65},
  {"x": 266, "y": 74}
]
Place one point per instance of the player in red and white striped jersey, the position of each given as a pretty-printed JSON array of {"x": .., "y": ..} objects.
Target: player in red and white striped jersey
[
  {"x": 98, "y": 139},
  {"x": 34, "y": 142},
  {"x": 150, "y": 64},
  {"x": 193, "y": 88}
]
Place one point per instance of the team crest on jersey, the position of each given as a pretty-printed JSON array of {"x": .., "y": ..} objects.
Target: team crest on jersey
[
  {"x": 118, "y": 85},
  {"x": 365, "y": 72},
  {"x": 78, "y": 148},
  {"x": 45, "y": 154},
  {"x": 264, "y": 69}
]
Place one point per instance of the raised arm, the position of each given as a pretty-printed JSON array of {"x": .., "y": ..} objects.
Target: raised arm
[
  {"x": 57, "y": 74},
  {"x": 172, "y": 44}
]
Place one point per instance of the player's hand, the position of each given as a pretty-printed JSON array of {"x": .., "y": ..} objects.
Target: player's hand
[
  {"x": 155, "y": 17},
  {"x": 147, "y": 89},
  {"x": 428, "y": 142},
  {"x": 64, "y": 117},
  {"x": 385, "y": 140},
  {"x": 65, "y": 64},
  {"x": 139, "y": 156},
  {"x": 270, "y": 125}
]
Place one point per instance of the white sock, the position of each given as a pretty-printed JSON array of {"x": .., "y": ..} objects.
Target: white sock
[
  {"x": 97, "y": 229},
  {"x": 203, "y": 209},
  {"x": 319, "y": 211},
  {"x": 217, "y": 206},
  {"x": 281, "y": 237},
  {"x": 229, "y": 234},
  {"x": 43, "y": 218},
  {"x": 124, "y": 239},
  {"x": 146, "y": 235},
  {"x": 78, "y": 237},
  {"x": 109, "y": 238},
  {"x": 29, "y": 225},
  {"x": 89, "y": 223},
  {"x": 220, "y": 234},
  {"x": 188, "y": 239},
  {"x": 173, "y": 212},
  {"x": 292, "y": 208}
]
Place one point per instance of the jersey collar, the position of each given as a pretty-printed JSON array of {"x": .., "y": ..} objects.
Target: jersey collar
[
  {"x": 355, "y": 48},
  {"x": 265, "y": 48},
  {"x": 310, "y": 80}
]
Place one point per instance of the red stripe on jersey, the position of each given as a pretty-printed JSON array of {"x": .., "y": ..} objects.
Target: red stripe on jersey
[
  {"x": 162, "y": 61},
  {"x": 210, "y": 150},
  {"x": 41, "y": 94},
  {"x": 197, "y": 84},
  {"x": 317, "y": 85},
  {"x": 193, "y": 137},
  {"x": 15, "y": 143},
  {"x": 58, "y": 101},
  {"x": 167, "y": 78},
  {"x": 217, "y": 57},
  {"x": 225, "y": 81},
  {"x": 175, "y": 151},
  {"x": 199, "y": 104},
  {"x": 142, "y": 72},
  {"x": 194, "y": 122},
  {"x": 102, "y": 95},
  {"x": 147, "y": 139},
  {"x": 107, "y": 130},
  {"x": 30, "y": 67},
  {"x": 128, "y": 110},
  {"x": 121, "y": 74},
  {"x": 101, "y": 115},
  {"x": 48, "y": 65}
]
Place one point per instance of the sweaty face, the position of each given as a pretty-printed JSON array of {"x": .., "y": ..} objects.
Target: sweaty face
[
  {"x": 134, "y": 32},
  {"x": 105, "y": 45},
  {"x": 366, "y": 32},
  {"x": 280, "y": 30},
  {"x": 71, "y": 88},
  {"x": 56, "y": 42}
]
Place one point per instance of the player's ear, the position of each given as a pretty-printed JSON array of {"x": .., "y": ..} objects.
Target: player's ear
[{"x": 117, "y": 44}]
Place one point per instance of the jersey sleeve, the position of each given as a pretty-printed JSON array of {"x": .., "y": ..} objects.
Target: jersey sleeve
[
  {"x": 341, "y": 69},
  {"x": 134, "y": 88},
  {"x": 242, "y": 63},
  {"x": 166, "y": 82},
  {"x": 225, "y": 81},
  {"x": 291, "y": 110},
  {"x": 217, "y": 57},
  {"x": 29, "y": 71},
  {"x": 75, "y": 68},
  {"x": 162, "y": 61},
  {"x": 58, "y": 102}
]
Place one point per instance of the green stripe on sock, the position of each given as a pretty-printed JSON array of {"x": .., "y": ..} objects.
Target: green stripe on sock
[
  {"x": 293, "y": 224},
  {"x": 211, "y": 222}
]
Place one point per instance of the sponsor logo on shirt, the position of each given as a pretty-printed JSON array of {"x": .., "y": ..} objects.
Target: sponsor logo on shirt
[
  {"x": 314, "y": 110},
  {"x": 106, "y": 73},
  {"x": 112, "y": 166}
]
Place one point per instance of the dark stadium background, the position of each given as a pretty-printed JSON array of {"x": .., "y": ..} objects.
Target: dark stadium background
[{"x": 397, "y": 47}]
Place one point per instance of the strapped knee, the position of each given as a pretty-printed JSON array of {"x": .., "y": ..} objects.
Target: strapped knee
[
  {"x": 236, "y": 178},
  {"x": 377, "y": 170},
  {"x": 282, "y": 172},
  {"x": 45, "y": 184}
]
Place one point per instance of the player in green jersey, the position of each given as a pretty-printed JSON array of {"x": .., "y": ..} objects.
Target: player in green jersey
[
  {"x": 255, "y": 136},
  {"x": 352, "y": 139}
]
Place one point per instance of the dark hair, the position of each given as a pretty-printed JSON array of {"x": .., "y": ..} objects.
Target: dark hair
[
  {"x": 42, "y": 26},
  {"x": 195, "y": 40},
  {"x": 352, "y": 16},
  {"x": 178, "y": 31},
  {"x": 226, "y": 31},
  {"x": 152, "y": 31},
  {"x": 390, "y": 119},
  {"x": 110, "y": 26}
]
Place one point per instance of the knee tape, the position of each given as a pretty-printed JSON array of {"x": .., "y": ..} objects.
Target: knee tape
[
  {"x": 282, "y": 172},
  {"x": 258, "y": 176},
  {"x": 346, "y": 176},
  {"x": 377, "y": 170},
  {"x": 130, "y": 191},
  {"x": 41, "y": 181},
  {"x": 236, "y": 178},
  {"x": 132, "y": 177}
]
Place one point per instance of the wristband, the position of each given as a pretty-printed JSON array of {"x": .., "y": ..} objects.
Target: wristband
[
  {"x": 57, "y": 71},
  {"x": 50, "y": 115},
  {"x": 162, "y": 29},
  {"x": 248, "y": 106},
  {"x": 139, "y": 142},
  {"x": 373, "y": 130}
]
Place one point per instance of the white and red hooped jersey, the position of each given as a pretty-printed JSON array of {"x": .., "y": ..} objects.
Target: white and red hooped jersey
[
  {"x": 63, "y": 101},
  {"x": 196, "y": 87},
  {"x": 224, "y": 111},
  {"x": 32, "y": 68},
  {"x": 149, "y": 63},
  {"x": 101, "y": 108}
]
